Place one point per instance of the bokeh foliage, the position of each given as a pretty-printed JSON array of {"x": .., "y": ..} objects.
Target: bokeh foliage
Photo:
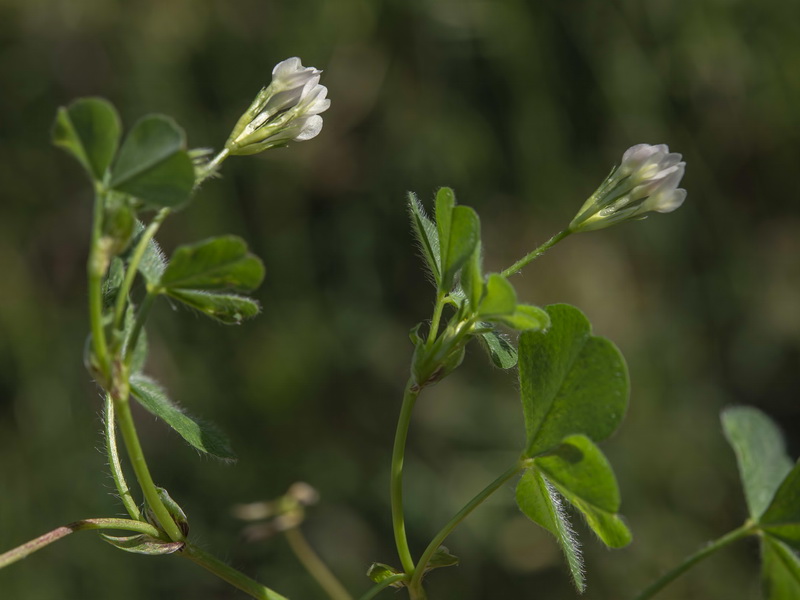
[{"x": 521, "y": 107}]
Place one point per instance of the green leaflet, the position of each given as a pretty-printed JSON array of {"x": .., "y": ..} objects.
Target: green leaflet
[
  {"x": 215, "y": 263},
  {"x": 203, "y": 436},
  {"x": 780, "y": 570},
  {"x": 582, "y": 474},
  {"x": 153, "y": 165},
  {"x": 570, "y": 381},
  {"x": 760, "y": 454},
  {"x": 539, "y": 501},
  {"x": 89, "y": 129},
  {"x": 427, "y": 236}
]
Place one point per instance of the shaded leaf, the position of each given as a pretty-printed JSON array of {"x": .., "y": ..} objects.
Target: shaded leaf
[
  {"x": 205, "y": 437},
  {"x": 760, "y": 453},
  {"x": 153, "y": 261},
  {"x": 582, "y": 474},
  {"x": 143, "y": 544},
  {"x": 570, "y": 381},
  {"x": 782, "y": 516},
  {"x": 500, "y": 349},
  {"x": 215, "y": 263},
  {"x": 427, "y": 236},
  {"x": 153, "y": 164},
  {"x": 89, "y": 129},
  {"x": 140, "y": 351},
  {"x": 229, "y": 309},
  {"x": 780, "y": 570},
  {"x": 539, "y": 501}
]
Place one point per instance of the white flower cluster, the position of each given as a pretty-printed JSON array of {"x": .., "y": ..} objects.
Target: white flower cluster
[
  {"x": 647, "y": 180},
  {"x": 288, "y": 109}
]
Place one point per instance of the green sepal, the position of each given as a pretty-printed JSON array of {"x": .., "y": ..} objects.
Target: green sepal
[
  {"x": 780, "y": 570},
  {"x": 143, "y": 544},
  {"x": 215, "y": 263},
  {"x": 378, "y": 572},
  {"x": 500, "y": 349},
  {"x": 203, "y": 436},
  {"x": 427, "y": 236},
  {"x": 760, "y": 454},
  {"x": 174, "y": 510},
  {"x": 539, "y": 501},
  {"x": 229, "y": 309},
  {"x": 153, "y": 165},
  {"x": 582, "y": 475},
  {"x": 89, "y": 129},
  {"x": 441, "y": 558},
  {"x": 499, "y": 298},
  {"x": 570, "y": 381}
]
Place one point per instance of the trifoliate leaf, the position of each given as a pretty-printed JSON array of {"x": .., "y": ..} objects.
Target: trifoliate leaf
[{"x": 570, "y": 381}]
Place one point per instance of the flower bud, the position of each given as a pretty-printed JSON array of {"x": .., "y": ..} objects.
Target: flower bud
[
  {"x": 647, "y": 180},
  {"x": 286, "y": 110}
]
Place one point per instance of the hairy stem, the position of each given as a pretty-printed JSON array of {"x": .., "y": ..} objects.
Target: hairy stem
[
  {"x": 48, "y": 538},
  {"x": 134, "y": 448},
  {"x": 114, "y": 463},
  {"x": 133, "y": 264},
  {"x": 227, "y": 573},
  {"x": 415, "y": 584},
  {"x": 375, "y": 589},
  {"x": 396, "y": 487},
  {"x": 314, "y": 565},
  {"x": 531, "y": 256},
  {"x": 690, "y": 561}
]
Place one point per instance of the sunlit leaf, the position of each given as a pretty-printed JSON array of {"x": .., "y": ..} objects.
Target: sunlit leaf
[
  {"x": 760, "y": 453},
  {"x": 583, "y": 476},
  {"x": 570, "y": 381},
  {"x": 378, "y": 572},
  {"x": 205, "y": 437},
  {"x": 472, "y": 278},
  {"x": 89, "y": 129},
  {"x": 524, "y": 318},
  {"x": 153, "y": 164},
  {"x": 540, "y": 502},
  {"x": 499, "y": 297}
]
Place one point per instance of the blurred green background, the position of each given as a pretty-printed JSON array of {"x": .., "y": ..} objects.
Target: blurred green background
[{"x": 522, "y": 107}]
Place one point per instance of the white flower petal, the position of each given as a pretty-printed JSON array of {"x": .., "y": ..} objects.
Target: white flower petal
[{"x": 310, "y": 129}]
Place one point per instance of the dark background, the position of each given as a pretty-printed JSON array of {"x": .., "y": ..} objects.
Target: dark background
[{"x": 522, "y": 107}]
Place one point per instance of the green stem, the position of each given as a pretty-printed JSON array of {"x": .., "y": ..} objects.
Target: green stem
[
  {"x": 133, "y": 264},
  {"x": 32, "y": 546},
  {"x": 415, "y": 585},
  {"x": 437, "y": 317},
  {"x": 522, "y": 262},
  {"x": 314, "y": 565},
  {"x": 375, "y": 590},
  {"x": 96, "y": 270},
  {"x": 396, "y": 488},
  {"x": 136, "y": 330},
  {"x": 227, "y": 573},
  {"x": 689, "y": 562},
  {"x": 129, "y": 435},
  {"x": 114, "y": 463}
]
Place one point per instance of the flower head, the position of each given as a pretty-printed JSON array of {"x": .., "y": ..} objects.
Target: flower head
[
  {"x": 647, "y": 180},
  {"x": 286, "y": 110}
]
